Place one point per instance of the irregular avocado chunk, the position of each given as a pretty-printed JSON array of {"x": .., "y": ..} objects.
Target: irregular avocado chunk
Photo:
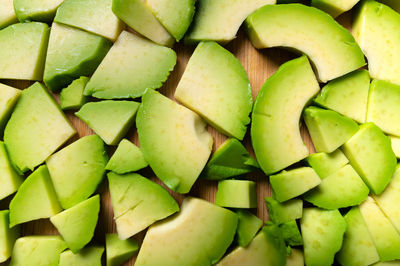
[
  {"x": 87, "y": 256},
  {"x": 7, "y": 13},
  {"x": 327, "y": 163},
  {"x": 284, "y": 212},
  {"x": 248, "y": 226},
  {"x": 10, "y": 179},
  {"x": 291, "y": 233},
  {"x": 118, "y": 251},
  {"x": 7, "y": 235},
  {"x": 36, "y": 10},
  {"x": 237, "y": 194},
  {"x": 8, "y": 98},
  {"x": 72, "y": 96}
]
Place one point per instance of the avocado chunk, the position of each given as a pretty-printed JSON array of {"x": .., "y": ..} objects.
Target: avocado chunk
[
  {"x": 322, "y": 235},
  {"x": 326, "y": 164},
  {"x": 138, "y": 202},
  {"x": 8, "y": 98},
  {"x": 198, "y": 235},
  {"x": 76, "y": 224},
  {"x": 179, "y": 154},
  {"x": 292, "y": 183},
  {"x": 280, "y": 213},
  {"x": 248, "y": 226},
  {"x": 291, "y": 233},
  {"x": 217, "y": 21},
  {"x": 7, "y": 235},
  {"x": 72, "y": 53},
  {"x": 10, "y": 179},
  {"x": 308, "y": 30},
  {"x": 7, "y": 13},
  {"x": 215, "y": 85},
  {"x": 296, "y": 258},
  {"x": 334, "y": 7},
  {"x": 237, "y": 194},
  {"x": 90, "y": 256},
  {"x": 23, "y": 51},
  {"x": 395, "y": 145},
  {"x": 36, "y": 10},
  {"x": 118, "y": 251},
  {"x": 275, "y": 131},
  {"x": 370, "y": 153},
  {"x": 72, "y": 96},
  {"x": 111, "y": 120},
  {"x": 126, "y": 158}
]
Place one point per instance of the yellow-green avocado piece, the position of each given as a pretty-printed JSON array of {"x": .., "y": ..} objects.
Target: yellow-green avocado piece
[
  {"x": 334, "y": 7},
  {"x": 327, "y": 163},
  {"x": 10, "y": 179},
  {"x": 248, "y": 226},
  {"x": 296, "y": 258},
  {"x": 118, "y": 251},
  {"x": 280, "y": 213},
  {"x": 90, "y": 256},
  {"x": 395, "y": 145},
  {"x": 8, "y": 98},
  {"x": 395, "y": 4},
  {"x": 7, "y": 13},
  {"x": 237, "y": 194},
  {"x": 72, "y": 96},
  {"x": 36, "y": 10},
  {"x": 7, "y": 235}
]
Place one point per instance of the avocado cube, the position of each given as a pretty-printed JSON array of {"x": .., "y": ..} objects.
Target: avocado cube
[
  {"x": 237, "y": 194},
  {"x": 327, "y": 163},
  {"x": 284, "y": 212},
  {"x": 118, "y": 251},
  {"x": 72, "y": 96},
  {"x": 248, "y": 226}
]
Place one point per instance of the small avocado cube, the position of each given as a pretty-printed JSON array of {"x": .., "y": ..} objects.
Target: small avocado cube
[
  {"x": 72, "y": 96},
  {"x": 284, "y": 212},
  {"x": 395, "y": 145},
  {"x": 8, "y": 98},
  {"x": 7, "y": 236},
  {"x": 291, "y": 233},
  {"x": 334, "y": 7},
  {"x": 10, "y": 179},
  {"x": 296, "y": 258},
  {"x": 7, "y": 13},
  {"x": 248, "y": 226},
  {"x": 118, "y": 251},
  {"x": 327, "y": 163},
  {"x": 90, "y": 256},
  {"x": 237, "y": 194},
  {"x": 36, "y": 10}
]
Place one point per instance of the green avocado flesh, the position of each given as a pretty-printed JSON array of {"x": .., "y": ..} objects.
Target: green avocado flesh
[
  {"x": 7, "y": 235},
  {"x": 237, "y": 194},
  {"x": 10, "y": 179},
  {"x": 72, "y": 96},
  {"x": 327, "y": 163},
  {"x": 248, "y": 226},
  {"x": 118, "y": 251},
  {"x": 90, "y": 256},
  {"x": 284, "y": 212},
  {"x": 395, "y": 145},
  {"x": 334, "y": 7},
  {"x": 7, "y": 13},
  {"x": 8, "y": 98},
  {"x": 394, "y": 4},
  {"x": 36, "y": 10},
  {"x": 291, "y": 233}
]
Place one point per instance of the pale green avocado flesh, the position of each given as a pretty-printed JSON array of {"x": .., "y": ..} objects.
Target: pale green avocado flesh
[
  {"x": 327, "y": 163},
  {"x": 10, "y": 179},
  {"x": 8, "y": 98},
  {"x": 7, "y": 235},
  {"x": 284, "y": 212},
  {"x": 72, "y": 96},
  {"x": 237, "y": 194},
  {"x": 334, "y": 7},
  {"x": 118, "y": 251},
  {"x": 248, "y": 226},
  {"x": 296, "y": 258},
  {"x": 36, "y": 10},
  {"x": 395, "y": 145},
  {"x": 7, "y": 13},
  {"x": 90, "y": 256}
]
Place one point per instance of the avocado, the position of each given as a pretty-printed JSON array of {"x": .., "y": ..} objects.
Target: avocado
[
  {"x": 10, "y": 179},
  {"x": 28, "y": 43},
  {"x": 72, "y": 96},
  {"x": 291, "y": 234},
  {"x": 326, "y": 164},
  {"x": 36, "y": 10},
  {"x": 275, "y": 131},
  {"x": 284, "y": 212},
  {"x": 237, "y": 194},
  {"x": 111, "y": 120},
  {"x": 296, "y": 258},
  {"x": 7, "y": 13},
  {"x": 334, "y": 7},
  {"x": 8, "y": 98},
  {"x": 7, "y": 235},
  {"x": 138, "y": 202},
  {"x": 248, "y": 226},
  {"x": 215, "y": 85},
  {"x": 198, "y": 235},
  {"x": 387, "y": 263},
  {"x": 118, "y": 251},
  {"x": 395, "y": 145},
  {"x": 292, "y": 183},
  {"x": 77, "y": 170},
  {"x": 370, "y": 153},
  {"x": 90, "y": 256},
  {"x": 179, "y": 154},
  {"x": 394, "y": 4}
]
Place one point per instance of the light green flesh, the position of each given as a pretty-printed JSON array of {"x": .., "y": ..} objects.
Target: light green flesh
[
  {"x": 23, "y": 51},
  {"x": 94, "y": 16},
  {"x": 72, "y": 53},
  {"x": 179, "y": 154},
  {"x": 343, "y": 188},
  {"x": 7, "y": 13},
  {"x": 326, "y": 164},
  {"x": 293, "y": 183},
  {"x": 8, "y": 98},
  {"x": 72, "y": 97},
  {"x": 395, "y": 145},
  {"x": 218, "y": 21},
  {"x": 7, "y": 236},
  {"x": 275, "y": 131},
  {"x": 395, "y": 4},
  {"x": 248, "y": 226},
  {"x": 36, "y": 10},
  {"x": 127, "y": 158},
  {"x": 368, "y": 148},
  {"x": 388, "y": 263},
  {"x": 118, "y": 251},
  {"x": 138, "y": 202},
  {"x": 308, "y": 30},
  {"x": 334, "y": 7},
  {"x": 111, "y": 120},
  {"x": 76, "y": 225},
  {"x": 284, "y": 212},
  {"x": 358, "y": 247},
  {"x": 237, "y": 194},
  {"x": 291, "y": 233},
  {"x": 215, "y": 85},
  {"x": 90, "y": 256},
  {"x": 10, "y": 180},
  {"x": 322, "y": 235},
  {"x": 198, "y": 235},
  {"x": 385, "y": 237},
  {"x": 137, "y": 15},
  {"x": 296, "y": 258}
]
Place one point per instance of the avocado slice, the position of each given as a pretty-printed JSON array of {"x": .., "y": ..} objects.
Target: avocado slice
[
  {"x": 179, "y": 154},
  {"x": 118, "y": 251},
  {"x": 72, "y": 96},
  {"x": 237, "y": 194},
  {"x": 10, "y": 179},
  {"x": 8, "y": 98},
  {"x": 296, "y": 258},
  {"x": 7, "y": 13},
  {"x": 215, "y": 85},
  {"x": 334, "y": 7},
  {"x": 36, "y": 10},
  {"x": 7, "y": 235},
  {"x": 248, "y": 226},
  {"x": 275, "y": 131},
  {"x": 198, "y": 235},
  {"x": 280, "y": 213},
  {"x": 395, "y": 145},
  {"x": 326, "y": 164},
  {"x": 90, "y": 256},
  {"x": 291, "y": 234}
]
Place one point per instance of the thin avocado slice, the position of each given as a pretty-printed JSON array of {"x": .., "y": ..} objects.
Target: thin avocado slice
[
  {"x": 87, "y": 256},
  {"x": 118, "y": 251},
  {"x": 7, "y": 13},
  {"x": 72, "y": 96},
  {"x": 36, "y": 10},
  {"x": 280, "y": 213},
  {"x": 10, "y": 179},
  {"x": 248, "y": 226},
  {"x": 326, "y": 164},
  {"x": 334, "y": 7},
  {"x": 237, "y": 194},
  {"x": 7, "y": 235}
]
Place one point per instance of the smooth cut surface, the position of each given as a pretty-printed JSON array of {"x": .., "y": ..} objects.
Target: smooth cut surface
[
  {"x": 8, "y": 98},
  {"x": 36, "y": 10},
  {"x": 118, "y": 251},
  {"x": 72, "y": 96},
  {"x": 237, "y": 194},
  {"x": 327, "y": 163},
  {"x": 90, "y": 256},
  {"x": 7, "y": 13},
  {"x": 248, "y": 226},
  {"x": 10, "y": 179},
  {"x": 7, "y": 235},
  {"x": 334, "y": 7}
]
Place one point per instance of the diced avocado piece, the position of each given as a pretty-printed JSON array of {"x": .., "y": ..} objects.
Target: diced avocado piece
[
  {"x": 296, "y": 258},
  {"x": 237, "y": 194},
  {"x": 275, "y": 131},
  {"x": 7, "y": 13},
  {"x": 366, "y": 150},
  {"x": 291, "y": 233},
  {"x": 118, "y": 251},
  {"x": 126, "y": 158},
  {"x": 394, "y": 4},
  {"x": 76, "y": 225},
  {"x": 322, "y": 235},
  {"x": 137, "y": 15},
  {"x": 36, "y": 10},
  {"x": 72, "y": 96},
  {"x": 326, "y": 164},
  {"x": 217, "y": 21},
  {"x": 292, "y": 183},
  {"x": 215, "y": 85},
  {"x": 132, "y": 66},
  {"x": 37, "y": 250},
  {"x": 334, "y": 7},
  {"x": 248, "y": 226},
  {"x": 384, "y": 235},
  {"x": 10, "y": 179},
  {"x": 179, "y": 154},
  {"x": 284, "y": 212},
  {"x": 8, "y": 98},
  {"x": 343, "y": 188},
  {"x": 90, "y": 256},
  {"x": 28, "y": 43},
  {"x": 347, "y": 95},
  {"x": 72, "y": 53},
  {"x": 198, "y": 235},
  {"x": 111, "y": 120},
  {"x": 138, "y": 202},
  {"x": 7, "y": 236},
  {"x": 395, "y": 145}
]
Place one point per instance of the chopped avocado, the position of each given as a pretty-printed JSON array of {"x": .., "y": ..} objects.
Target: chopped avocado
[
  {"x": 132, "y": 66},
  {"x": 35, "y": 199},
  {"x": 334, "y": 7},
  {"x": 7, "y": 13},
  {"x": 215, "y": 85},
  {"x": 395, "y": 145},
  {"x": 284, "y": 212},
  {"x": 28, "y": 43},
  {"x": 138, "y": 202},
  {"x": 248, "y": 226},
  {"x": 118, "y": 251},
  {"x": 72, "y": 53},
  {"x": 326, "y": 164},
  {"x": 347, "y": 95},
  {"x": 291, "y": 233},
  {"x": 237, "y": 194},
  {"x": 292, "y": 183},
  {"x": 179, "y": 154},
  {"x": 77, "y": 170},
  {"x": 275, "y": 131},
  {"x": 308, "y": 30},
  {"x": 72, "y": 96},
  {"x": 322, "y": 235},
  {"x": 218, "y": 21},
  {"x": 370, "y": 153},
  {"x": 111, "y": 120},
  {"x": 7, "y": 236},
  {"x": 10, "y": 179},
  {"x": 296, "y": 258},
  {"x": 8, "y": 98},
  {"x": 198, "y": 235},
  {"x": 76, "y": 225},
  {"x": 90, "y": 256},
  {"x": 126, "y": 158},
  {"x": 36, "y": 10}
]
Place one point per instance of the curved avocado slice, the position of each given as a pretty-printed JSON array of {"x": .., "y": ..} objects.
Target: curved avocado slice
[{"x": 334, "y": 7}]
